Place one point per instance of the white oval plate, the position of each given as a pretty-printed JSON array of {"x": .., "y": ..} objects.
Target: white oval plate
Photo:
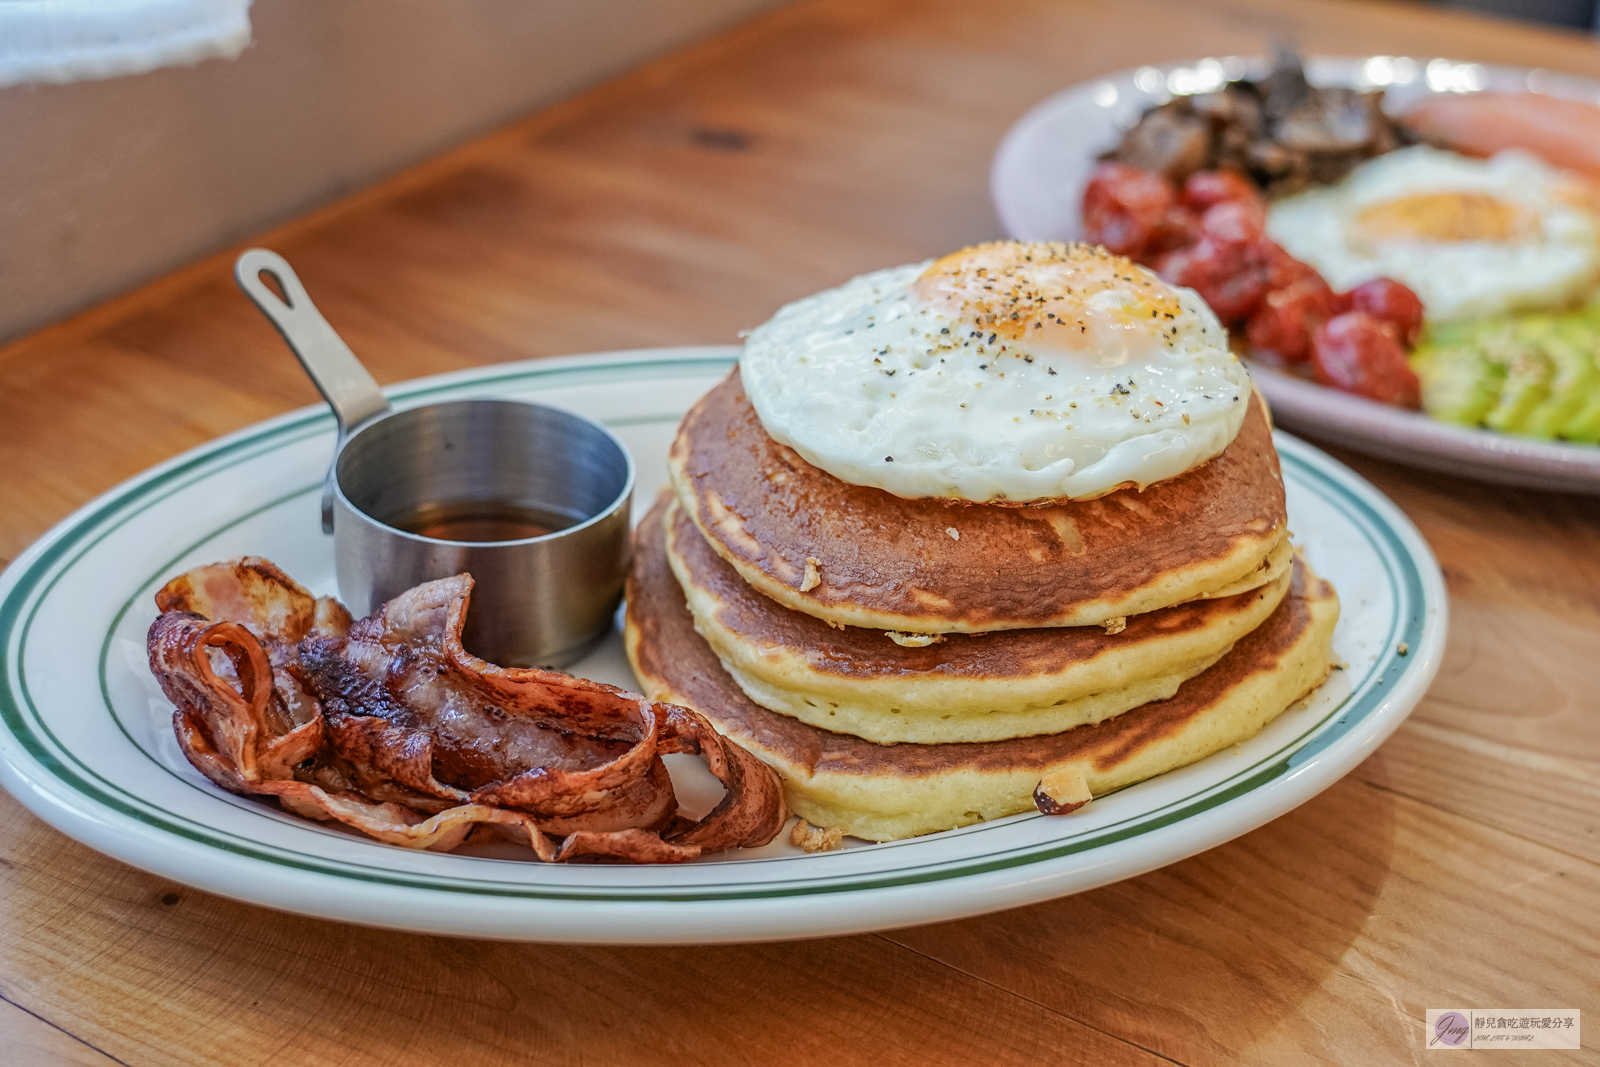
[
  {"x": 1043, "y": 163},
  {"x": 86, "y": 739}
]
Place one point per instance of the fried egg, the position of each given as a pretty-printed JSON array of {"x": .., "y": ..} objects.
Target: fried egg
[
  {"x": 1471, "y": 237},
  {"x": 1008, "y": 371}
]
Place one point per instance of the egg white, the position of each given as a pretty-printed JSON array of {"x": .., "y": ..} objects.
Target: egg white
[
  {"x": 868, "y": 383},
  {"x": 1548, "y": 266}
]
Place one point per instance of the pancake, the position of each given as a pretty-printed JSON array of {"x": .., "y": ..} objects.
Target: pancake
[
  {"x": 886, "y": 792},
  {"x": 1276, "y": 564},
  {"x": 977, "y": 687},
  {"x": 860, "y": 556}
]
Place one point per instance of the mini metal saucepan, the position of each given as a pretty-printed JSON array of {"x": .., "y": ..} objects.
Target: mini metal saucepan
[{"x": 531, "y": 500}]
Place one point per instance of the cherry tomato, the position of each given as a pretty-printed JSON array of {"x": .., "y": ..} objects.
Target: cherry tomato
[
  {"x": 1230, "y": 276},
  {"x": 1208, "y": 187},
  {"x": 1389, "y": 300},
  {"x": 1283, "y": 270},
  {"x": 1357, "y": 352},
  {"x": 1124, "y": 208},
  {"x": 1235, "y": 221},
  {"x": 1284, "y": 322},
  {"x": 1180, "y": 229}
]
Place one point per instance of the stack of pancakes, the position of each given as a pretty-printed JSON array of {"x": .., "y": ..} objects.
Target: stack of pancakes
[{"x": 913, "y": 665}]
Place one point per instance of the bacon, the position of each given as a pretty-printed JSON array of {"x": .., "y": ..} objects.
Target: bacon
[{"x": 391, "y": 727}]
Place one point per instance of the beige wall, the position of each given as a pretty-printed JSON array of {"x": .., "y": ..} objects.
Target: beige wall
[{"x": 107, "y": 184}]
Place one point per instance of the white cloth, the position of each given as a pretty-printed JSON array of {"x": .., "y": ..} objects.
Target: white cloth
[{"x": 76, "y": 40}]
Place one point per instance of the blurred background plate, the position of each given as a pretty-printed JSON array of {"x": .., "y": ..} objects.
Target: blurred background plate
[{"x": 1043, "y": 163}]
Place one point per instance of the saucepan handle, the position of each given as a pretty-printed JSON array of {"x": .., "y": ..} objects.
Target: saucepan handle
[{"x": 344, "y": 383}]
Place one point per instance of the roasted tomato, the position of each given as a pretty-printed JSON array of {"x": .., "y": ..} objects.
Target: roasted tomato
[
  {"x": 1208, "y": 187},
  {"x": 1231, "y": 264},
  {"x": 1287, "y": 318},
  {"x": 1283, "y": 270},
  {"x": 1235, "y": 221},
  {"x": 1126, "y": 209},
  {"x": 1359, "y": 353},
  {"x": 1230, "y": 276},
  {"x": 1389, "y": 300},
  {"x": 1180, "y": 229}
]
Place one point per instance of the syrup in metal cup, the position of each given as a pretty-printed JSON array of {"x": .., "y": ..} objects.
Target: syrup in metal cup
[{"x": 530, "y": 500}]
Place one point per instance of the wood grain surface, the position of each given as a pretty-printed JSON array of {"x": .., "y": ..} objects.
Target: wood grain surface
[{"x": 1460, "y": 865}]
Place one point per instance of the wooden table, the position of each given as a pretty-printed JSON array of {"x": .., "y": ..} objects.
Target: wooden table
[{"x": 1460, "y": 865}]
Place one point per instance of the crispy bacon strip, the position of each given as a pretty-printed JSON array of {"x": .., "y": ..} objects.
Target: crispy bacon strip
[{"x": 390, "y": 726}]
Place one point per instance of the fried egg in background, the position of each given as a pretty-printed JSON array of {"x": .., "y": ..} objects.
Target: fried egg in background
[
  {"x": 1009, "y": 371},
  {"x": 1471, "y": 237}
]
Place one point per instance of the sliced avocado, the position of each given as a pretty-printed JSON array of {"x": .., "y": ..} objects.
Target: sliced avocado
[
  {"x": 1459, "y": 382},
  {"x": 1584, "y": 424},
  {"x": 1570, "y": 344},
  {"x": 1584, "y": 330},
  {"x": 1449, "y": 334},
  {"x": 1528, "y": 372}
]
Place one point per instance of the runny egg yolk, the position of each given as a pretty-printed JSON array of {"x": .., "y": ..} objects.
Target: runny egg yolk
[
  {"x": 1446, "y": 216},
  {"x": 1074, "y": 301}
]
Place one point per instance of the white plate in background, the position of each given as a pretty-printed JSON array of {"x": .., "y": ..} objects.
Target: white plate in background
[{"x": 1043, "y": 164}]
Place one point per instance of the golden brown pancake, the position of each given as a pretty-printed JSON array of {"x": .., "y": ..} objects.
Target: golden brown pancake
[
  {"x": 884, "y": 792},
  {"x": 964, "y": 687},
  {"x": 859, "y": 556}
]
